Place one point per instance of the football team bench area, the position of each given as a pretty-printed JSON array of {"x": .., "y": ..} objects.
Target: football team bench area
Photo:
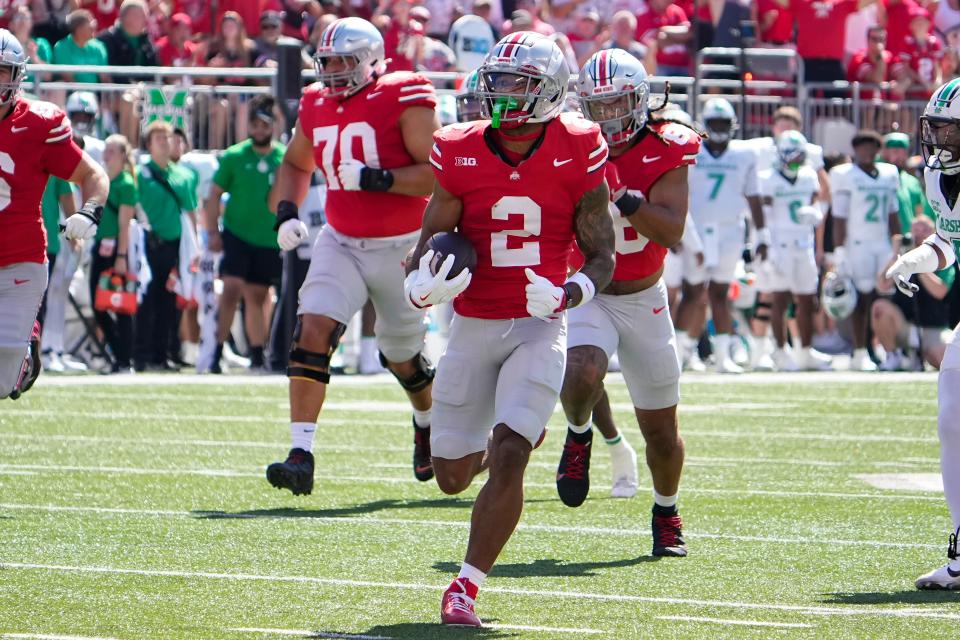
[{"x": 140, "y": 510}]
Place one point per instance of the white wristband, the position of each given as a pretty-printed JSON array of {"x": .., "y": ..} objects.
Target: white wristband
[
  {"x": 946, "y": 248},
  {"x": 587, "y": 288}
]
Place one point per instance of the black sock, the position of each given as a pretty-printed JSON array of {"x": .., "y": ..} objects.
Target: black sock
[
  {"x": 580, "y": 438},
  {"x": 256, "y": 356},
  {"x": 659, "y": 510},
  {"x": 218, "y": 353}
]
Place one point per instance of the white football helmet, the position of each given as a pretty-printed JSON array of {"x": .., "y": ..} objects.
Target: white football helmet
[
  {"x": 82, "y": 108},
  {"x": 13, "y": 57},
  {"x": 791, "y": 152},
  {"x": 468, "y": 105},
  {"x": 360, "y": 47},
  {"x": 940, "y": 129},
  {"x": 523, "y": 80},
  {"x": 719, "y": 120},
  {"x": 614, "y": 92},
  {"x": 839, "y": 297}
]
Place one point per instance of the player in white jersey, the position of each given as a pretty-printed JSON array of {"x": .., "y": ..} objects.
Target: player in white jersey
[
  {"x": 789, "y": 193},
  {"x": 784, "y": 119},
  {"x": 940, "y": 137},
  {"x": 866, "y": 229},
  {"x": 723, "y": 187}
]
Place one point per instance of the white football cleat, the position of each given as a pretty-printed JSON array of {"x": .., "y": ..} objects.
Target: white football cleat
[
  {"x": 52, "y": 363},
  {"x": 72, "y": 366},
  {"x": 946, "y": 577},
  {"x": 893, "y": 361},
  {"x": 783, "y": 361},
  {"x": 764, "y": 363},
  {"x": 812, "y": 360},
  {"x": 623, "y": 463},
  {"x": 727, "y": 365},
  {"x": 861, "y": 361},
  {"x": 694, "y": 363}
]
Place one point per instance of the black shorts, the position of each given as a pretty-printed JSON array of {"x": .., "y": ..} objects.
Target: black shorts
[{"x": 250, "y": 263}]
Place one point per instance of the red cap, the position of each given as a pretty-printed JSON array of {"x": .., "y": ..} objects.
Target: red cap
[{"x": 181, "y": 18}]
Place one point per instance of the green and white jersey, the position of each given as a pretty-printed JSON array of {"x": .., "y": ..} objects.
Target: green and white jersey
[
  {"x": 872, "y": 199},
  {"x": 948, "y": 219},
  {"x": 719, "y": 184},
  {"x": 786, "y": 197},
  {"x": 767, "y": 157}
]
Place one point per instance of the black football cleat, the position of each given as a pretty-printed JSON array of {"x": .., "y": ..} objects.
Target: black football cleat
[
  {"x": 32, "y": 366},
  {"x": 422, "y": 459},
  {"x": 573, "y": 474},
  {"x": 296, "y": 473},
  {"x": 668, "y": 533}
]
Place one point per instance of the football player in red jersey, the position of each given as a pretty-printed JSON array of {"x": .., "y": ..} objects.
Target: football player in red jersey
[
  {"x": 523, "y": 187},
  {"x": 370, "y": 133},
  {"x": 35, "y": 142},
  {"x": 629, "y": 316}
]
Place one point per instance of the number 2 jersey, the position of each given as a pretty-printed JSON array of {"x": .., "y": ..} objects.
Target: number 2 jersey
[
  {"x": 366, "y": 127},
  {"x": 35, "y": 142},
  {"x": 517, "y": 216}
]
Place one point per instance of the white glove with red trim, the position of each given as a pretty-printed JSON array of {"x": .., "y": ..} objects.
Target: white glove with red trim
[{"x": 424, "y": 290}]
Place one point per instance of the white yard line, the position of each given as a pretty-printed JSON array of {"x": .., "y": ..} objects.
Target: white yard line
[
  {"x": 247, "y": 473},
  {"x": 464, "y": 524},
  {"x": 813, "y": 610},
  {"x": 738, "y": 623}
]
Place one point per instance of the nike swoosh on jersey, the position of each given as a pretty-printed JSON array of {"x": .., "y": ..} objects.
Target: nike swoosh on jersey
[
  {"x": 648, "y": 160},
  {"x": 371, "y": 96},
  {"x": 19, "y": 282},
  {"x": 18, "y": 129},
  {"x": 560, "y": 163},
  {"x": 657, "y": 310}
]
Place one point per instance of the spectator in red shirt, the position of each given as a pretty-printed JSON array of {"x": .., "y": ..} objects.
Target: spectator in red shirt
[
  {"x": 533, "y": 9},
  {"x": 665, "y": 26},
  {"x": 176, "y": 49},
  {"x": 249, "y": 10},
  {"x": 821, "y": 28},
  {"x": 105, "y": 12},
  {"x": 199, "y": 13},
  {"x": 872, "y": 65},
  {"x": 775, "y": 23},
  {"x": 402, "y": 37},
  {"x": 918, "y": 68},
  {"x": 898, "y": 22}
]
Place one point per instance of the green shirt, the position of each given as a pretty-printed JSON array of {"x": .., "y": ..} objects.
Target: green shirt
[
  {"x": 247, "y": 176},
  {"x": 50, "y": 207},
  {"x": 163, "y": 211},
  {"x": 92, "y": 54},
  {"x": 44, "y": 53},
  {"x": 123, "y": 191},
  {"x": 909, "y": 195}
]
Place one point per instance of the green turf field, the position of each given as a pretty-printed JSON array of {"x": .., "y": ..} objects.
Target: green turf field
[{"x": 141, "y": 511}]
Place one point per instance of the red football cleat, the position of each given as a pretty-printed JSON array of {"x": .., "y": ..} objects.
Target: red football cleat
[{"x": 457, "y": 606}]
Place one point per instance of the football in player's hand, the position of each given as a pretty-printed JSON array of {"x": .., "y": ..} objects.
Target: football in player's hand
[{"x": 452, "y": 243}]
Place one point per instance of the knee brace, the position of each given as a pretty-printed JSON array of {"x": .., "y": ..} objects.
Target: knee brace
[
  {"x": 310, "y": 365},
  {"x": 420, "y": 379}
]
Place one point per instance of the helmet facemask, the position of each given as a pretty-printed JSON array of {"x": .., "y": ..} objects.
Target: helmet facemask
[
  {"x": 940, "y": 141},
  {"x": 621, "y": 115},
  {"x": 346, "y": 82},
  {"x": 791, "y": 160},
  {"x": 10, "y": 88},
  {"x": 719, "y": 130},
  {"x": 508, "y": 98}
]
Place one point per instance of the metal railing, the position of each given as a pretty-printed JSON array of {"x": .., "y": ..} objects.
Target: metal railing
[{"x": 217, "y": 106}]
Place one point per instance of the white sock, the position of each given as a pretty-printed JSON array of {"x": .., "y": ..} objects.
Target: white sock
[
  {"x": 616, "y": 441},
  {"x": 582, "y": 428},
  {"x": 472, "y": 574},
  {"x": 301, "y": 435},
  {"x": 948, "y": 428},
  {"x": 422, "y": 418},
  {"x": 722, "y": 343},
  {"x": 368, "y": 349},
  {"x": 665, "y": 501},
  {"x": 686, "y": 346}
]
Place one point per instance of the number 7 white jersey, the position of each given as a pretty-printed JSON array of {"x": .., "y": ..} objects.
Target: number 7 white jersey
[
  {"x": 720, "y": 184},
  {"x": 871, "y": 199},
  {"x": 785, "y": 199}
]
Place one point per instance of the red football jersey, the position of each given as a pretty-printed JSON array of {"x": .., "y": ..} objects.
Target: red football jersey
[
  {"x": 36, "y": 142},
  {"x": 366, "y": 127},
  {"x": 922, "y": 57},
  {"x": 674, "y": 145},
  {"x": 821, "y": 26},
  {"x": 517, "y": 216}
]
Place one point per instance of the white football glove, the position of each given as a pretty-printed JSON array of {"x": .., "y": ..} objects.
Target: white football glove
[
  {"x": 291, "y": 234},
  {"x": 900, "y": 273},
  {"x": 424, "y": 290},
  {"x": 349, "y": 174},
  {"x": 809, "y": 215},
  {"x": 544, "y": 299},
  {"x": 80, "y": 226}
]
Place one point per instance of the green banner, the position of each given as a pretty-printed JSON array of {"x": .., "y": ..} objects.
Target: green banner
[{"x": 170, "y": 103}]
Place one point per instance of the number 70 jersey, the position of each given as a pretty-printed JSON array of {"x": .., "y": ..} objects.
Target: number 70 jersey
[{"x": 517, "y": 216}]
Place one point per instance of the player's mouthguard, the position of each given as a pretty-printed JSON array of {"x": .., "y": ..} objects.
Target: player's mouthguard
[{"x": 500, "y": 108}]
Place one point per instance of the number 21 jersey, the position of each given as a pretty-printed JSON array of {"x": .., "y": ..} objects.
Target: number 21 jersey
[
  {"x": 366, "y": 127},
  {"x": 517, "y": 216}
]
